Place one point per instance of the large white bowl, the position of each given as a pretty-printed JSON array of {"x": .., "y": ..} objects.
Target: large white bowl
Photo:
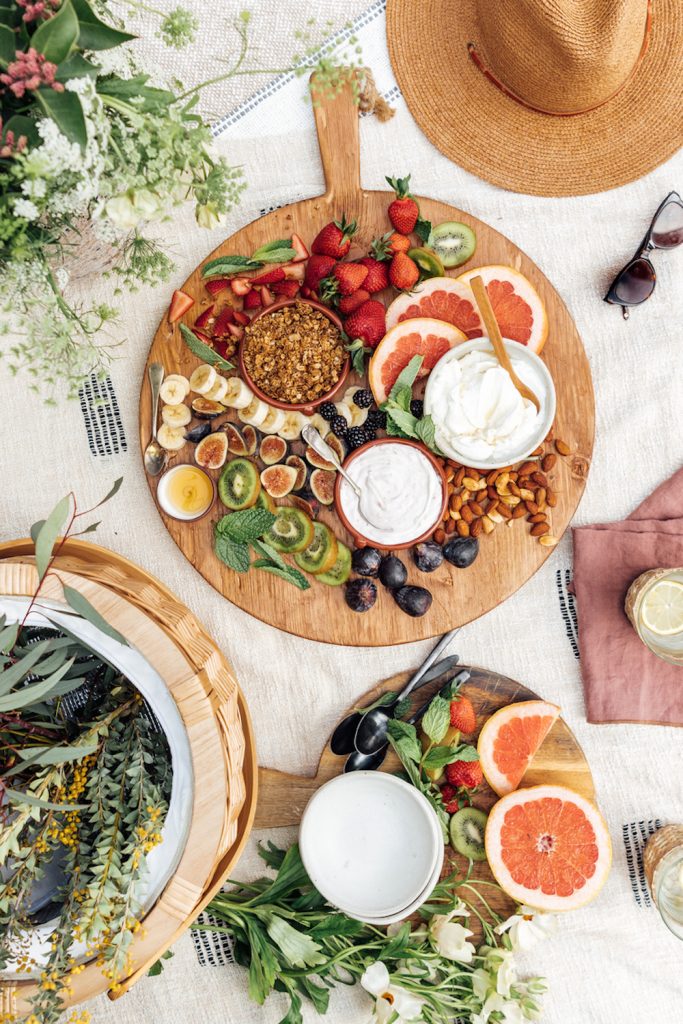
[
  {"x": 547, "y": 400},
  {"x": 370, "y": 844},
  {"x": 401, "y": 915}
]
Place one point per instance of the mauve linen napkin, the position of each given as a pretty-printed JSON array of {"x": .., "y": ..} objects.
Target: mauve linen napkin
[{"x": 622, "y": 680}]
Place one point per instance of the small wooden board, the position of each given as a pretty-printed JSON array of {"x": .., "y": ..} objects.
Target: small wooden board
[
  {"x": 560, "y": 761},
  {"x": 508, "y": 556}
]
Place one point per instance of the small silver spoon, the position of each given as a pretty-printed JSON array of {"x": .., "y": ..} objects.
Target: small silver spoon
[
  {"x": 315, "y": 440},
  {"x": 155, "y": 456}
]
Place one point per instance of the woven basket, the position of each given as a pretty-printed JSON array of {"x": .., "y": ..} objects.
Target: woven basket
[{"x": 216, "y": 721}]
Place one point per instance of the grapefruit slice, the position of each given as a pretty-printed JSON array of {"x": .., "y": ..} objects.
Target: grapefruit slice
[
  {"x": 517, "y": 305},
  {"x": 441, "y": 298},
  {"x": 548, "y": 847},
  {"x": 510, "y": 738},
  {"x": 423, "y": 337}
]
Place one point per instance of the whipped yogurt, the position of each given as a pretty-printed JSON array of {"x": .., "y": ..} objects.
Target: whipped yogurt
[
  {"x": 403, "y": 494},
  {"x": 478, "y": 413}
]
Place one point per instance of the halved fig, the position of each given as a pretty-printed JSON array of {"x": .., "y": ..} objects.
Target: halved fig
[
  {"x": 337, "y": 446},
  {"x": 308, "y": 505},
  {"x": 322, "y": 485},
  {"x": 250, "y": 438},
  {"x": 236, "y": 443},
  {"x": 197, "y": 433},
  {"x": 317, "y": 460},
  {"x": 278, "y": 480},
  {"x": 301, "y": 471},
  {"x": 273, "y": 449},
  {"x": 212, "y": 451},
  {"x": 205, "y": 409}
]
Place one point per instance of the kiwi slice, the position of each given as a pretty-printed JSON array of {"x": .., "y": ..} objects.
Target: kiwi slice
[
  {"x": 239, "y": 484},
  {"x": 467, "y": 827},
  {"x": 292, "y": 530},
  {"x": 340, "y": 571},
  {"x": 454, "y": 243},
  {"x": 428, "y": 262},
  {"x": 265, "y": 501},
  {"x": 321, "y": 553}
]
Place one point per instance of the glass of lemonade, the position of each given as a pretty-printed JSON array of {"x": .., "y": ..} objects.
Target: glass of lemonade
[
  {"x": 663, "y": 863},
  {"x": 654, "y": 604}
]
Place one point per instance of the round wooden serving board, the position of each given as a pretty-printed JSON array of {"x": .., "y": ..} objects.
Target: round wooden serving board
[
  {"x": 508, "y": 557},
  {"x": 560, "y": 761}
]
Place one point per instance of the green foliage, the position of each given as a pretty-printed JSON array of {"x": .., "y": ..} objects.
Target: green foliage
[
  {"x": 236, "y": 532},
  {"x": 204, "y": 351}
]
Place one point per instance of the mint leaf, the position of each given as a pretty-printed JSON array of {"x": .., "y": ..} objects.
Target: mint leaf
[
  {"x": 203, "y": 351},
  {"x": 467, "y": 753},
  {"x": 436, "y": 719},
  {"x": 269, "y": 553},
  {"x": 402, "y": 397},
  {"x": 246, "y": 526},
  {"x": 277, "y": 255},
  {"x": 393, "y": 430},
  {"x": 405, "y": 421},
  {"x": 423, "y": 229},
  {"x": 263, "y": 251},
  {"x": 290, "y": 574},
  {"x": 402, "y": 707},
  {"x": 426, "y": 431},
  {"x": 233, "y": 553},
  {"x": 406, "y": 377},
  {"x": 358, "y": 353},
  {"x": 439, "y": 757},
  {"x": 403, "y": 738},
  {"x": 223, "y": 266}
]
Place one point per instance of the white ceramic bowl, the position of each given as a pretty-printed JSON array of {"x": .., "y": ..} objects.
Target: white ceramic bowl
[
  {"x": 371, "y": 844},
  {"x": 546, "y": 397},
  {"x": 383, "y": 922}
]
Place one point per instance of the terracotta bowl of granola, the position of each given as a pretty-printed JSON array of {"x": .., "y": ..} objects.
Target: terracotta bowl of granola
[{"x": 292, "y": 355}]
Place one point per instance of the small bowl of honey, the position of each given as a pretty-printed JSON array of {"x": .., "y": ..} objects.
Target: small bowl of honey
[{"x": 186, "y": 492}]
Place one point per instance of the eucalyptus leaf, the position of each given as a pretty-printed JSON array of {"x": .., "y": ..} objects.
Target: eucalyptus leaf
[
  {"x": 82, "y": 606},
  {"x": 44, "y": 756},
  {"x": 48, "y": 533},
  {"x": 34, "y": 691},
  {"x": 16, "y": 796},
  {"x": 10, "y": 676},
  {"x": 116, "y": 486},
  {"x": 8, "y": 636},
  {"x": 56, "y": 37}
]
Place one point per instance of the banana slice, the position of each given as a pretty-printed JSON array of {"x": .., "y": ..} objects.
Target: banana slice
[
  {"x": 273, "y": 421},
  {"x": 343, "y": 410},
  {"x": 293, "y": 425},
  {"x": 180, "y": 379},
  {"x": 218, "y": 391},
  {"x": 320, "y": 424},
  {"x": 238, "y": 395},
  {"x": 254, "y": 413},
  {"x": 203, "y": 379},
  {"x": 171, "y": 438},
  {"x": 349, "y": 393},
  {"x": 176, "y": 415},
  {"x": 172, "y": 391},
  {"x": 358, "y": 416}
]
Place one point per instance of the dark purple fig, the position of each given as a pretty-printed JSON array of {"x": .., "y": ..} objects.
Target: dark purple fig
[
  {"x": 205, "y": 409},
  {"x": 197, "y": 433},
  {"x": 461, "y": 551},
  {"x": 428, "y": 556},
  {"x": 366, "y": 561},
  {"x": 250, "y": 438},
  {"x": 360, "y": 595},
  {"x": 392, "y": 572},
  {"x": 415, "y": 601}
]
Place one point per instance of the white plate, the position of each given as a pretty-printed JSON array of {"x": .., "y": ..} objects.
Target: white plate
[{"x": 370, "y": 843}]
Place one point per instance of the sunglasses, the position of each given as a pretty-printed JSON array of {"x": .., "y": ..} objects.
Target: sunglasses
[{"x": 636, "y": 281}]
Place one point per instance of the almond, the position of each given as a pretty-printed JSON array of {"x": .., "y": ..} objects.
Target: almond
[
  {"x": 474, "y": 474},
  {"x": 538, "y": 451},
  {"x": 455, "y": 503},
  {"x": 459, "y": 475},
  {"x": 439, "y": 536},
  {"x": 477, "y": 528},
  {"x": 527, "y": 467},
  {"x": 541, "y": 495},
  {"x": 467, "y": 514},
  {"x": 493, "y": 476},
  {"x": 537, "y": 518},
  {"x": 492, "y": 506},
  {"x": 551, "y": 498},
  {"x": 531, "y": 507},
  {"x": 504, "y": 511},
  {"x": 487, "y": 525},
  {"x": 462, "y": 528},
  {"x": 518, "y": 512},
  {"x": 547, "y": 541},
  {"x": 539, "y": 529},
  {"x": 492, "y": 492},
  {"x": 541, "y": 479},
  {"x": 476, "y": 508},
  {"x": 450, "y": 526},
  {"x": 548, "y": 462},
  {"x": 450, "y": 473},
  {"x": 563, "y": 448},
  {"x": 514, "y": 489},
  {"x": 453, "y": 464}
]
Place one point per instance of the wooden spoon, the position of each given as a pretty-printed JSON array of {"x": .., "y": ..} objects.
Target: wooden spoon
[{"x": 495, "y": 337}]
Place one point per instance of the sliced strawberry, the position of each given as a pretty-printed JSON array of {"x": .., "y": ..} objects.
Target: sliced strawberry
[
  {"x": 202, "y": 336},
  {"x": 204, "y": 318},
  {"x": 266, "y": 296},
  {"x": 300, "y": 249},
  {"x": 288, "y": 288},
  {"x": 294, "y": 271},
  {"x": 240, "y": 285},
  {"x": 241, "y": 318},
  {"x": 307, "y": 293},
  {"x": 223, "y": 321},
  {"x": 252, "y": 300},
  {"x": 219, "y": 284},
  {"x": 180, "y": 303},
  {"x": 270, "y": 276},
  {"x": 236, "y": 332}
]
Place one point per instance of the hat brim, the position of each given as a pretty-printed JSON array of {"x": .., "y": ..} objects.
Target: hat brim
[{"x": 477, "y": 126}]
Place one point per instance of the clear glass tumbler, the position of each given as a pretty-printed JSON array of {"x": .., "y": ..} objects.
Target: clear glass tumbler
[{"x": 663, "y": 863}]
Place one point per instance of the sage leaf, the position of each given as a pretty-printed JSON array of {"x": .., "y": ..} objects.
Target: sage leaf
[
  {"x": 82, "y": 607},
  {"x": 224, "y": 266},
  {"x": 204, "y": 351},
  {"x": 437, "y": 719},
  {"x": 48, "y": 533}
]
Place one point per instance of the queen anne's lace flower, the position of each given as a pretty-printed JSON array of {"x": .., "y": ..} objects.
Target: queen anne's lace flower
[{"x": 26, "y": 209}]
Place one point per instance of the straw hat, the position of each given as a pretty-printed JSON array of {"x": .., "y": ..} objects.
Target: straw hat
[{"x": 549, "y": 97}]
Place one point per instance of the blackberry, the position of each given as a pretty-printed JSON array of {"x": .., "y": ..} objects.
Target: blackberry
[
  {"x": 363, "y": 399},
  {"x": 417, "y": 407},
  {"x": 328, "y": 411},
  {"x": 368, "y": 433},
  {"x": 338, "y": 424},
  {"x": 355, "y": 437},
  {"x": 377, "y": 420}
]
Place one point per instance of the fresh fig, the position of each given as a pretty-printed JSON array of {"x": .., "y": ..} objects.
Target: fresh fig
[
  {"x": 308, "y": 505},
  {"x": 337, "y": 445},
  {"x": 197, "y": 433},
  {"x": 301, "y": 471},
  {"x": 322, "y": 485},
  {"x": 273, "y": 449},
  {"x": 250, "y": 439},
  {"x": 317, "y": 460},
  {"x": 278, "y": 480},
  {"x": 205, "y": 409},
  {"x": 236, "y": 443},
  {"x": 212, "y": 451}
]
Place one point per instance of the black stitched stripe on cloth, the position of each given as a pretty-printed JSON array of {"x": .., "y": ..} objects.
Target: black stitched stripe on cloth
[
  {"x": 563, "y": 578},
  {"x": 102, "y": 417},
  {"x": 213, "y": 949},
  {"x": 635, "y": 835}
]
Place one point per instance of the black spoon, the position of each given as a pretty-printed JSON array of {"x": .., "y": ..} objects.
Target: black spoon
[
  {"x": 342, "y": 738},
  {"x": 371, "y": 734},
  {"x": 370, "y": 762}
]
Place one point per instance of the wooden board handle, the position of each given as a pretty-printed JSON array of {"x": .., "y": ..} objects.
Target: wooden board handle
[
  {"x": 282, "y": 797},
  {"x": 336, "y": 122}
]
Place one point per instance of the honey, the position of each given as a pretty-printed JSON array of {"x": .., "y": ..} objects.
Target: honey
[{"x": 185, "y": 492}]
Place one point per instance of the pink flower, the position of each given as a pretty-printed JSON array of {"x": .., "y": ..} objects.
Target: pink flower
[
  {"x": 36, "y": 10},
  {"x": 9, "y": 146},
  {"x": 29, "y": 71}
]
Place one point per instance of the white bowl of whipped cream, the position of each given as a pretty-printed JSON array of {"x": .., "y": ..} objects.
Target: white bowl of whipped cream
[{"x": 480, "y": 418}]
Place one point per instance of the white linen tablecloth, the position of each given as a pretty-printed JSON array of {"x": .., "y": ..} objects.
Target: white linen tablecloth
[{"x": 614, "y": 960}]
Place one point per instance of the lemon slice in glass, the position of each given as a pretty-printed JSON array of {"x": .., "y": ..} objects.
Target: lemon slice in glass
[{"x": 662, "y": 608}]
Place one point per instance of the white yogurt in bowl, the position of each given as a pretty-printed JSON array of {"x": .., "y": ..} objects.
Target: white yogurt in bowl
[
  {"x": 479, "y": 416},
  {"x": 403, "y": 494}
]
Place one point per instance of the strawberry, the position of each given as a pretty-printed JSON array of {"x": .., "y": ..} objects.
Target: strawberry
[
  {"x": 465, "y": 773},
  {"x": 404, "y": 273},
  {"x": 294, "y": 271},
  {"x": 288, "y": 288},
  {"x": 252, "y": 300},
  {"x": 449, "y": 795},
  {"x": 223, "y": 321},
  {"x": 266, "y": 295},
  {"x": 216, "y": 286},
  {"x": 351, "y": 302},
  {"x": 236, "y": 331},
  {"x": 240, "y": 285},
  {"x": 378, "y": 276},
  {"x": 204, "y": 318},
  {"x": 241, "y": 318},
  {"x": 398, "y": 243},
  {"x": 269, "y": 277},
  {"x": 317, "y": 268},
  {"x": 300, "y": 249},
  {"x": 202, "y": 337},
  {"x": 306, "y": 293},
  {"x": 180, "y": 303},
  {"x": 349, "y": 277},
  {"x": 403, "y": 211},
  {"x": 334, "y": 239},
  {"x": 462, "y": 715},
  {"x": 368, "y": 323}
]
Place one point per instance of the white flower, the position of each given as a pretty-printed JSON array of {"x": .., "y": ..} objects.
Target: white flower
[
  {"x": 450, "y": 939},
  {"x": 512, "y": 1012},
  {"x": 148, "y": 204},
  {"x": 391, "y": 1001},
  {"x": 34, "y": 188},
  {"x": 527, "y": 927},
  {"x": 122, "y": 213},
  {"x": 208, "y": 216},
  {"x": 26, "y": 209}
]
